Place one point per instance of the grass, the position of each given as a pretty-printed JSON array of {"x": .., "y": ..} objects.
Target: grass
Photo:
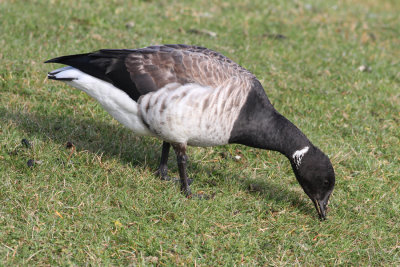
[{"x": 100, "y": 203}]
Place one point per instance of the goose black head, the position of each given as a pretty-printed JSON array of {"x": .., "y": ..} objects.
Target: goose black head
[{"x": 316, "y": 176}]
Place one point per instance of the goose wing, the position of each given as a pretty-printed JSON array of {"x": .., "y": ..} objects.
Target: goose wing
[
  {"x": 144, "y": 70},
  {"x": 154, "y": 67}
]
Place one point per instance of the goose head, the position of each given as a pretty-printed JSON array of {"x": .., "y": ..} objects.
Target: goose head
[{"x": 316, "y": 176}]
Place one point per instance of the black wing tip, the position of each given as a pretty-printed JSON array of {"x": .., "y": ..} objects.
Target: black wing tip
[
  {"x": 57, "y": 59},
  {"x": 66, "y": 59},
  {"x": 53, "y": 60}
]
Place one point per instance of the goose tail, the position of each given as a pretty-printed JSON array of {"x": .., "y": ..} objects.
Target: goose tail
[{"x": 64, "y": 74}]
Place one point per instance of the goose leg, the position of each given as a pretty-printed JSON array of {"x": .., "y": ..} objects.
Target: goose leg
[
  {"x": 162, "y": 171},
  {"x": 180, "y": 151}
]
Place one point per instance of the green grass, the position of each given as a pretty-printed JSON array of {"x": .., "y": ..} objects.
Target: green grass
[{"x": 101, "y": 204}]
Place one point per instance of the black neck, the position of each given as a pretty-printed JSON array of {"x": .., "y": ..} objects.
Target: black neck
[{"x": 259, "y": 125}]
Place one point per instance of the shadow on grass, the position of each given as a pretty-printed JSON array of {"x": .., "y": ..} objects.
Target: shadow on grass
[
  {"x": 99, "y": 137},
  {"x": 115, "y": 141},
  {"x": 271, "y": 192}
]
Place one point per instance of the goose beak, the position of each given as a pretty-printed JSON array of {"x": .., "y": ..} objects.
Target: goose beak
[{"x": 321, "y": 208}]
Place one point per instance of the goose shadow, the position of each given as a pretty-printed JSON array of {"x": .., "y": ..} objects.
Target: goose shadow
[
  {"x": 273, "y": 192},
  {"x": 270, "y": 191},
  {"x": 86, "y": 134},
  {"x": 111, "y": 139}
]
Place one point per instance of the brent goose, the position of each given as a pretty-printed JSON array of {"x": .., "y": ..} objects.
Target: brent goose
[{"x": 191, "y": 95}]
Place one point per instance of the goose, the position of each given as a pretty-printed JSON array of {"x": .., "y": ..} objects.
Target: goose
[{"x": 193, "y": 96}]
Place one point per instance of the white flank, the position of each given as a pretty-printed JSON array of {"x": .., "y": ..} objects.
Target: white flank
[
  {"x": 193, "y": 114},
  {"x": 298, "y": 155},
  {"x": 114, "y": 100}
]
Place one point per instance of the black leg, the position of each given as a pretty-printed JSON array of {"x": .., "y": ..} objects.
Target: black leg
[
  {"x": 181, "y": 157},
  {"x": 162, "y": 171}
]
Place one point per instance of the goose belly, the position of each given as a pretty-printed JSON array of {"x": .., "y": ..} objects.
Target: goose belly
[
  {"x": 115, "y": 101},
  {"x": 192, "y": 114}
]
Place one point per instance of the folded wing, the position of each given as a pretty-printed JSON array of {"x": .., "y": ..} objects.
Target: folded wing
[{"x": 140, "y": 71}]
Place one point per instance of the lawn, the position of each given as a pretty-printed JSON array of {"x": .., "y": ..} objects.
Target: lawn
[{"x": 331, "y": 67}]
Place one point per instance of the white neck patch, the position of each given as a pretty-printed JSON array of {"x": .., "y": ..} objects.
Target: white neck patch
[{"x": 298, "y": 155}]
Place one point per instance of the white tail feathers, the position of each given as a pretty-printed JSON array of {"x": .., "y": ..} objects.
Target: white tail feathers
[{"x": 64, "y": 74}]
